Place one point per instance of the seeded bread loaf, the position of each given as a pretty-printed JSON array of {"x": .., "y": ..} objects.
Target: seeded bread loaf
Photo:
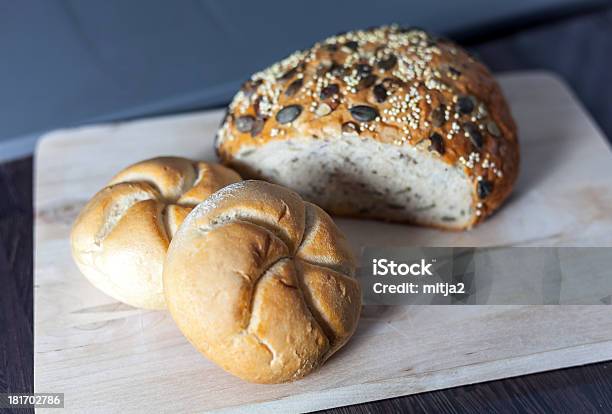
[
  {"x": 120, "y": 239},
  {"x": 386, "y": 123},
  {"x": 262, "y": 282}
]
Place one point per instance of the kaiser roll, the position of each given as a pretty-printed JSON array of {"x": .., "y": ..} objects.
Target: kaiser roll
[
  {"x": 261, "y": 282},
  {"x": 119, "y": 240}
]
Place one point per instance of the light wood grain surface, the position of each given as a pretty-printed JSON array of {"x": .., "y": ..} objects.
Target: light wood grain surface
[{"x": 109, "y": 357}]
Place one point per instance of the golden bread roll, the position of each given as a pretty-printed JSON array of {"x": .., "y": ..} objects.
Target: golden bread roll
[
  {"x": 119, "y": 240},
  {"x": 262, "y": 282}
]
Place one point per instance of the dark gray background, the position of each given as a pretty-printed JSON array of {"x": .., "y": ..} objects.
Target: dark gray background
[{"x": 69, "y": 62}]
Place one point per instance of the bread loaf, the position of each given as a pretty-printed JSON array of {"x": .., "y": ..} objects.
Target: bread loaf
[
  {"x": 262, "y": 283},
  {"x": 386, "y": 123},
  {"x": 119, "y": 240}
]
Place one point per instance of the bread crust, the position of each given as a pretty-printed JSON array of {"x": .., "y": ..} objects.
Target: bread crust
[
  {"x": 120, "y": 238},
  {"x": 262, "y": 283},
  {"x": 397, "y": 86}
]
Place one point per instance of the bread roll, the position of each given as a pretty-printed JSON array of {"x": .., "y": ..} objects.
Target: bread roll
[
  {"x": 120, "y": 239},
  {"x": 262, "y": 283},
  {"x": 386, "y": 123}
]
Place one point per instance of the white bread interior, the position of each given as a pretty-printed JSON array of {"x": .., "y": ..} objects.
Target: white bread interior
[{"x": 363, "y": 177}]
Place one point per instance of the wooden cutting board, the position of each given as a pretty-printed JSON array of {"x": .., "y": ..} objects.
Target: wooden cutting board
[{"x": 106, "y": 356}]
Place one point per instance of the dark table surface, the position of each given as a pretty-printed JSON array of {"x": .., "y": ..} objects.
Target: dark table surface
[{"x": 577, "y": 47}]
